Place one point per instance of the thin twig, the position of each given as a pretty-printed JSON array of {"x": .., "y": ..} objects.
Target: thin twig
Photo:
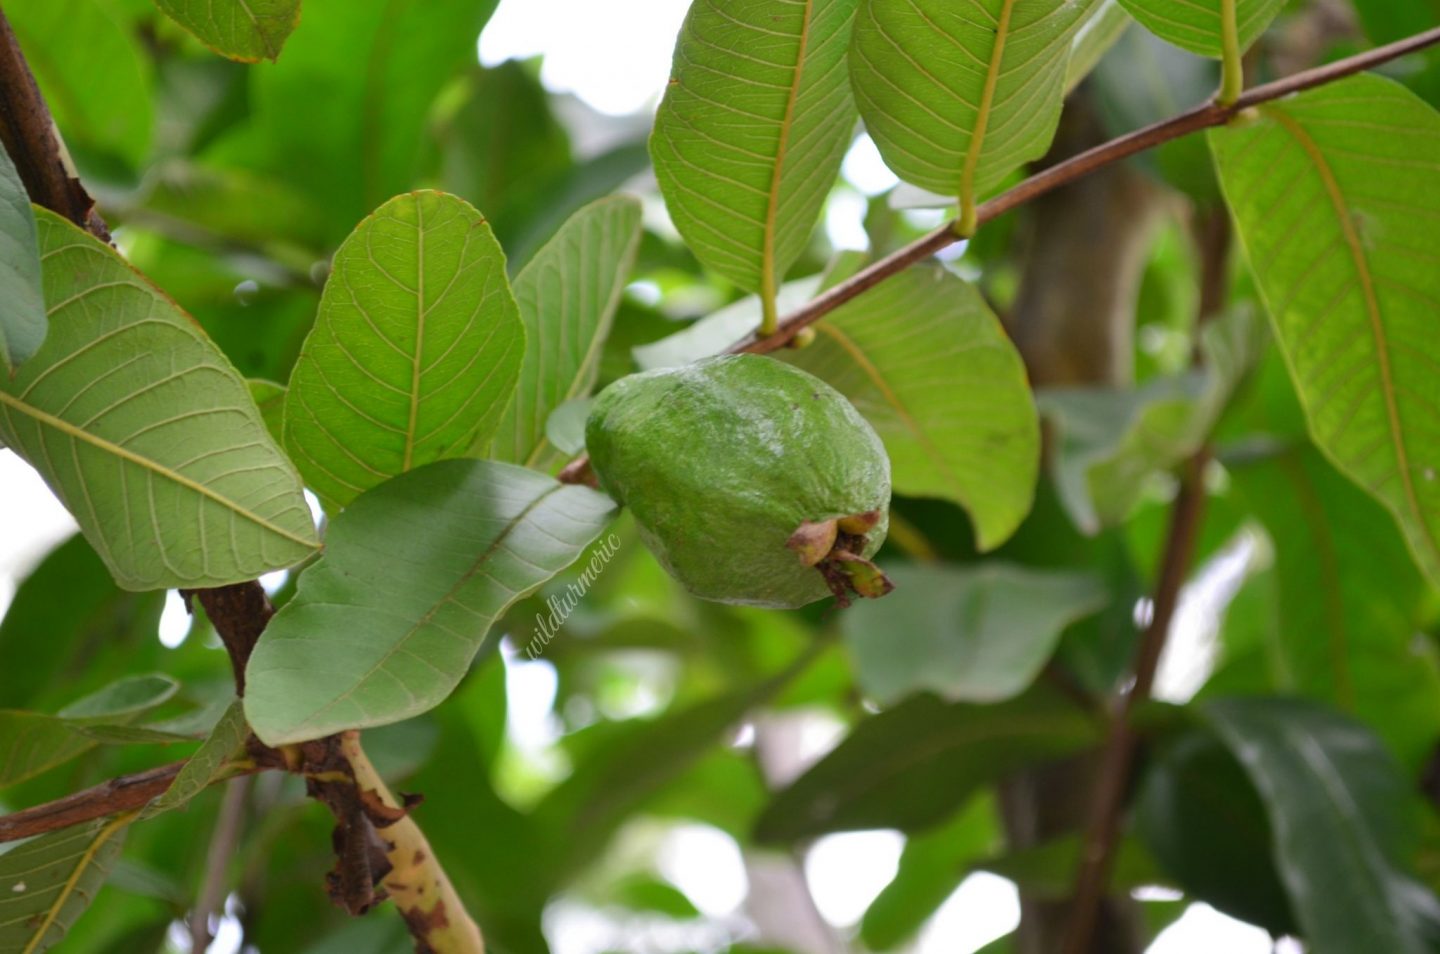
[
  {"x": 1112, "y": 785},
  {"x": 211, "y": 898},
  {"x": 108, "y": 798},
  {"x": 1193, "y": 120}
]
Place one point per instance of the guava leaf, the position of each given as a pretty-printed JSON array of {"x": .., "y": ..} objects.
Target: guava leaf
[
  {"x": 244, "y": 30},
  {"x": 1198, "y": 25},
  {"x": 207, "y": 764},
  {"x": 910, "y": 767},
  {"x": 34, "y": 742},
  {"x": 1336, "y": 195},
  {"x": 46, "y": 883},
  {"x": 974, "y": 633},
  {"x": 146, "y": 432},
  {"x": 1344, "y": 822},
  {"x": 1110, "y": 442},
  {"x": 414, "y": 572},
  {"x": 957, "y": 94},
  {"x": 22, "y": 300},
  {"x": 752, "y": 129},
  {"x": 1096, "y": 36},
  {"x": 567, "y": 296},
  {"x": 926, "y": 362},
  {"x": 415, "y": 351}
]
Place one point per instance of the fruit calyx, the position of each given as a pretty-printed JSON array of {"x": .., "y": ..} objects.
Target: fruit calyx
[{"x": 833, "y": 548}]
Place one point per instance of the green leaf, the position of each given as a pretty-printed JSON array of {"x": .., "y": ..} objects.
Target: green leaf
[
  {"x": 383, "y": 626},
  {"x": 1197, "y": 25},
  {"x": 22, "y": 301},
  {"x": 353, "y": 95},
  {"x": 567, "y": 296},
  {"x": 32, "y": 742},
  {"x": 565, "y": 427},
  {"x": 49, "y": 881},
  {"x": 1206, "y": 827},
  {"x": 897, "y": 352},
  {"x": 958, "y": 95},
  {"x": 1047, "y": 870},
  {"x": 911, "y": 766},
  {"x": 145, "y": 431},
  {"x": 1111, "y": 443},
  {"x": 752, "y": 129},
  {"x": 92, "y": 74},
  {"x": 269, "y": 398},
  {"x": 1093, "y": 40},
  {"x": 415, "y": 351},
  {"x": 244, "y": 30},
  {"x": 931, "y": 868},
  {"x": 208, "y": 764},
  {"x": 1334, "y": 195},
  {"x": 1343, "y": 819},
  {"x": 979, "y": 633},
  {"x": 1350, "y": 601},
  {"x": 719, "y": 330}
]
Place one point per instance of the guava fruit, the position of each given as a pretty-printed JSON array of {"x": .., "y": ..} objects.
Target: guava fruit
[{"x": 752, "y": 481}]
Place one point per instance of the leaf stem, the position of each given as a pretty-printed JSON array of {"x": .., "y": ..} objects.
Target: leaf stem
[{"x": 1232, "y": 67}]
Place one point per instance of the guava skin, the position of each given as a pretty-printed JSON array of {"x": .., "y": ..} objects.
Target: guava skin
[{"x": 721, "y": 461}]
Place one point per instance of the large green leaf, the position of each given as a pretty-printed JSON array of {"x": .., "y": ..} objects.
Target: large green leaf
[
  {"x": 925, "y": 361},
  {"x": 959, "y": 93},
  {"x": 92, "y": 73},
  {"x": 567, "y": 296},
  {"x": 415, "y": 351},
  {"x": 1344, "y": 822},
  {"x": 49, "y": 881},
  {"x": 979, "y": 633},
  {"x": 22, "y": 301},
  {"x": 1349, "y": 601},
  {"x": 1198, "y": 25},
  {"x": 245, "y": 30},
  {"x": 752, "y": 129},
  {"x": 384, "y": 625},
  {"x": 342, "y": 115},
  {"x": 1336, "y": 193},
  {"x": 33, "y": 742},
  {"x": 146, "y": 432},
  {"x": 911, "y": 766},
  {"x": 1111, "y": 443},
  {"x": 1204, "y": 822}
]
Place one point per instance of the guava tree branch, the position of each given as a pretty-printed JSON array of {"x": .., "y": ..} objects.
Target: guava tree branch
[{"x": 1113, "y": 782}]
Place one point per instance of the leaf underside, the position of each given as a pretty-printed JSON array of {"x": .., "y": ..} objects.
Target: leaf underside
[
  {"x": 1197, "y": 26},
  {"x": 48, "y": 882},
  {"x": 752, "y": 129},
  {"x": 146, "y": 432},
  {"x": 415, "y": 351},
  {"x": 245, "y": 30},
  {"x": 1336, "y": 195}
]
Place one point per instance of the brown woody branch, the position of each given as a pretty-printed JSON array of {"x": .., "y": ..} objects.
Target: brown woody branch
[{"x": 1112, "y": 786}]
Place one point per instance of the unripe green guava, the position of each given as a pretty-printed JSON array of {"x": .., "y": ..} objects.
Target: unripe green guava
[{"x": 751, "y": 481}]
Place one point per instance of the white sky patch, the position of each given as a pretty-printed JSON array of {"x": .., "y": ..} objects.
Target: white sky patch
[
  {"x": 705, "y": 864},
  {"x": 846, "y": 871},
  {"x": 865, "y": 170},
  {"x": 1203, "y": 930},
  {"x": 174, "y": 620},
  {"x": 983, "y": 908},
  {"x": 530, "y": 687},
  {"x": 845, "y": 220},
  {"x": 614, "y": 56}
]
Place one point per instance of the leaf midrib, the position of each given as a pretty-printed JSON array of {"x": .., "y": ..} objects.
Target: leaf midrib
[
  {"x": 768, "y": 278},
  {"x": 1372, "y": 309},
  {"x": 86, "y": 859},
  {"x": 145, "y": 463},
  {"x": 982, "y": 113}
]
